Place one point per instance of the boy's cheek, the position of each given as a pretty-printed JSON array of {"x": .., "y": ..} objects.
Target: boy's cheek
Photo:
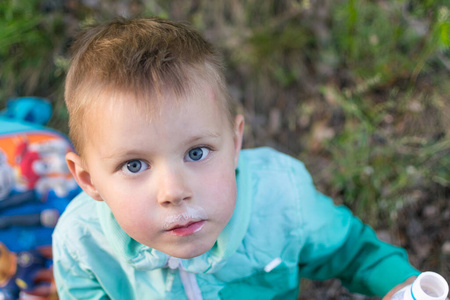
[{"x": 224, "y": 189}]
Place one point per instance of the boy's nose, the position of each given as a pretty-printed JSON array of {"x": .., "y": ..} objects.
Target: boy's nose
[{"x": 173, "y": 188}]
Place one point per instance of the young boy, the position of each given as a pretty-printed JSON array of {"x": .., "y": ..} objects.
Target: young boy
[{"x": 180, "y": 211}]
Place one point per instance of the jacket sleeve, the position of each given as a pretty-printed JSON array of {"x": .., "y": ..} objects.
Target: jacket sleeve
[
  {"x": 73, "y": 279},
  {"x": 338, "y": 245}
]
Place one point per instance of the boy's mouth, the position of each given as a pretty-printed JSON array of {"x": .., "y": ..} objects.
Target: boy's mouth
[
  {"x": 189, "y": 228},
  {"x": 189, "y": 222}
]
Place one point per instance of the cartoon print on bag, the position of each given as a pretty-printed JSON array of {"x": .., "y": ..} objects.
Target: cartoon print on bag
[
  {"x": 41, "y": 166},
  {"x": 6, "y": 176}
]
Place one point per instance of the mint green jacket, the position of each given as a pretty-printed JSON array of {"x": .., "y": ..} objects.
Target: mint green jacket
[{"x": 282, "y": 229}]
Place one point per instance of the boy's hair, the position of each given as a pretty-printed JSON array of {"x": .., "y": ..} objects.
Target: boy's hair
[{"x": 142, "y": 58}]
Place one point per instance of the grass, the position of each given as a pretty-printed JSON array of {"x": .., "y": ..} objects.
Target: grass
[{"x": 387, "y": 153}]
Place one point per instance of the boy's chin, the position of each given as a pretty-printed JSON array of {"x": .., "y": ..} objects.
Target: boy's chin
[{"x": 189, "y": 250}]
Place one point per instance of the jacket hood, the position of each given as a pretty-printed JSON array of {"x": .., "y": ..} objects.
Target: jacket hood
[{"x": 143, "y": 257}]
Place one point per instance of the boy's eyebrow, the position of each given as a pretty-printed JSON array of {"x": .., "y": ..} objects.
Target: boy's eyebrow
[
  {"x": 207, "y": 134},
  {"x": 119, "y": 155},
  {"x": 133, "y": 152}
]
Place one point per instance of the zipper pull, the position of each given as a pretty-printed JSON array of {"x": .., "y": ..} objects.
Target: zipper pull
[{"x": 173, "y": 263}]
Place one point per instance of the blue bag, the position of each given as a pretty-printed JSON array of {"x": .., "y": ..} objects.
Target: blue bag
[{"x": 35, "y": 183}]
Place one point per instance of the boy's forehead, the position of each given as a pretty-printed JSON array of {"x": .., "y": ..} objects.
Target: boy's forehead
[
  {"x": 154, "y": 104},
  {"x": 110, "y": 100}
]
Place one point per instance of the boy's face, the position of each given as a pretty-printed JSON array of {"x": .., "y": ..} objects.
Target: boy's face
[{"x": 169, "y": 179}]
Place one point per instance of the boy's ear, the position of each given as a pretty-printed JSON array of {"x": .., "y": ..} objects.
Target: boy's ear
[
  {"x": 238, "y": 136},
  {"x": 82, "y": 175}
]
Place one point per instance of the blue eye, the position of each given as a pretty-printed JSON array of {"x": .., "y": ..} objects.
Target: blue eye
[
  {"x": 134, "y": 166},
  {"x": 197, "y": 154}
]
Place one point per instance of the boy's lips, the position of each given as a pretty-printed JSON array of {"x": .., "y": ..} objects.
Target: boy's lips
[
  {"x": 189, "y": 222},
  {"x": 189, "y": 228}
]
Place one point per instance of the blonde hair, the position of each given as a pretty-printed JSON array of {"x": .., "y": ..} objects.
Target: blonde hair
[{"x": 142, "y": 57}]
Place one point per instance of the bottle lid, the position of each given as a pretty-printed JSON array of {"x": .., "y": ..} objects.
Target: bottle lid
[{"x": 429, "y": 286}]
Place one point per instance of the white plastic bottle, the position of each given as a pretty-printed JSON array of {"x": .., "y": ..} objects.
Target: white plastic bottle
[{"x": 427, "y": 286}]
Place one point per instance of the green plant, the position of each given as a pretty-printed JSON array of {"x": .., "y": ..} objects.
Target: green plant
[
  {"x": 378, "y": 164},
  {"x": 30, "y": 41},
  {"x": 393, "y": 39}
]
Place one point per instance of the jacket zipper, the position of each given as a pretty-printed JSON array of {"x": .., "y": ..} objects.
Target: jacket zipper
[{"x": 188, "y": 279}]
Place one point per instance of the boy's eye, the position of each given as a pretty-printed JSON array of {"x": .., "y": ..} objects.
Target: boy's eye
[
  {"x": 134, "y": 166},
  {"x": 197, "y": 154}
]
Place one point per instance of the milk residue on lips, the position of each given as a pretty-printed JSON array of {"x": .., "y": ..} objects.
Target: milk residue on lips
[{"x": 195, "y": 213}]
